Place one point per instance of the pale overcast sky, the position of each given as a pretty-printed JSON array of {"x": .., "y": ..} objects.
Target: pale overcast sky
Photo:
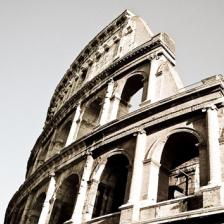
[{"x": 40, "y": 39}]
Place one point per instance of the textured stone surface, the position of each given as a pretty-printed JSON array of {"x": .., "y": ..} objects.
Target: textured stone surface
[{"x": 158, "y": 161}]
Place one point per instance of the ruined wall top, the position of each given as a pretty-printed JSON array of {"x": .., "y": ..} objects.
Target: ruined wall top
[{"x": 121, "y": 36}]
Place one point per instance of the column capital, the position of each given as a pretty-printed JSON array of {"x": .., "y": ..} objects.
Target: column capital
[
  {"x": 89, "y": 153},
  {"x": 78, "y": 104},
  {"x": 51, "y": 173},
  {"x": 210, "y": 107},
  {"x": 153, "y": 56},
  {"x": 111, "y": 81},
  {"x": 140, "y": 131}
]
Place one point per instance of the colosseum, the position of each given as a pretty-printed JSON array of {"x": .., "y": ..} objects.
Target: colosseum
[{"x": 124, "y": 141}]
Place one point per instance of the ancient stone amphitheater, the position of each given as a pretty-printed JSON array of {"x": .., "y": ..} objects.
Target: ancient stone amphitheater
[{"x": 124, "y": 141}]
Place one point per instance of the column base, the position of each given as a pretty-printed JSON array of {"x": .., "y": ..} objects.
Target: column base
[
  {"x": 126, "y": 213},
  {"x": 212, "y": 196}
]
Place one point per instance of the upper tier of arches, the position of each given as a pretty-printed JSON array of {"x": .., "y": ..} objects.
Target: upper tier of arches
[{"x": 121, "y": 36}]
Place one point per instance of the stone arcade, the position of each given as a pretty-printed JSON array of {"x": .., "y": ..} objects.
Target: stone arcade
[{"x": 124, "y": 141}]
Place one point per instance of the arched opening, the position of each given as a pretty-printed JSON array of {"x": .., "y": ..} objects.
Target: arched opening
[
  {"x": 90, "y": 117},
  {"x": 65, "y": 200},
  {"x": 42, "y": 154},
  {"x": 112, "y": 187},
  {"x": 179, "y": 171},
  {"x": 37, "y": 208},
  {"x": 61, "y": 136},
  {"x": 131, "y": 96}
]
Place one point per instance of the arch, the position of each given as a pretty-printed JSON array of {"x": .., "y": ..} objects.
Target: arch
[
  {"x": 179, "y": 164},
  {"x": 42, "y": 154},
  {"x": 60, "y": 137},
  {"x": 155, "y": 151},
  {"x": 63, "y": 132},
  {"x": 91, "y": 115},
  {"x": 110, "y": 194},
  {"x": 98, "y": 169},
  {"x": 132, "y": 93},
  {"x": 65, "y": 200},
  {"x": 37, "y": 208}
]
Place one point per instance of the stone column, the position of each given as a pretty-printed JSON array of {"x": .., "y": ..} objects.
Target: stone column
[
  {"x": 92, "y": 192},
  {"x": 213, "y": 145},
  {"x": 46, "y": 206},
  {"x": 79, "y": 206},
  {"x": 136, "y": 181},
  {"x": 115, "y": 101},
  {"x": 151, "y": 90},
  {"x": 154, "y": 168},
  {"x": 106, "y": 105},
  {"x": 73, "y": 130}
]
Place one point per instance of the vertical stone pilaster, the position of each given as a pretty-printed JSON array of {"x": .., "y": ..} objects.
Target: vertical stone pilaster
[
  {"x": 74, "y": 127},
  {"x": 151, "y": 90},
  {"x": 92, "y": 192},
  {"x": 114, "y": 107},
  {"x": 79, "y": 206},
  {"x": 213, "y": 145},
  {"x": 106, "y": 106},
  {"x": 46, "y": 206},
  {"x": 154, "y": 168},
  {"x": 136, "y": 181}
]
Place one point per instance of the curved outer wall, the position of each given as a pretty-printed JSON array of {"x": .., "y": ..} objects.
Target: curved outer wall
[{"x": 123, "y": 141}]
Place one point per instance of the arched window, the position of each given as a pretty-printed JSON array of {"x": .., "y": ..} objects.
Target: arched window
[
  {"x": 179, "y": 171},
  {"x": 60, "y": 138},
  {"x": 65, "y": 200},
  {"x": 112, "y": 186},
  {"x": 90, "y": 117},
  {"x": 63, "y": 133},
  {"x": 37, "y": 208},
  {"x": 42, "y": 154},
  {"x": 131, "y": 95}
]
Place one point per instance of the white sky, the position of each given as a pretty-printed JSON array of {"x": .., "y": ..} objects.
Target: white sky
[{"x": 40, "y": 39}]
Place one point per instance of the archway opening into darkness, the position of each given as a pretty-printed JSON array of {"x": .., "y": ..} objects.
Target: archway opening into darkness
[
  {"x": 179, "y": 171},
  {"x": 65, "y": 200},
  {"x": 112, "y": 187},
  {"x": 90, "y": 117}
]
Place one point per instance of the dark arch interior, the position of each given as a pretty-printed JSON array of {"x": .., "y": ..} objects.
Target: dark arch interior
[
  {"x": 90, "y": 117},
  {"x": 63, "y": 133},
  {"x": 112, "y": 186},
  {"x": 65, "y": 200},
  {"x": 179, "y": 161},
  {"x": 61, "y": 137},
  {"x": 37, "y": 208},
  {"x": 131, "y": 95},
  {"x": 42, "y": 154}
]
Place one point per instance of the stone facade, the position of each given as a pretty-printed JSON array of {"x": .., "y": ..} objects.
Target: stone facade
[{"x": 124, "y": 141}]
